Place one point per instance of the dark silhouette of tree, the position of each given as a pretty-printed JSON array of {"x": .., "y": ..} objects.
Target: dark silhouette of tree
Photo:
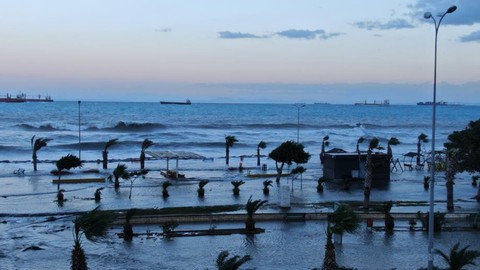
[
  {"x": 109, "y": 144},
  {"x": 37, "y": 144},
  {"x": 93, "y": 224},
  {"x": 229, "y": 142},
  {"x": 466, "y": 146},
  {"x": 287, "y": 153},
  {"x": 261, "y": 145},
  {"x": 422, "y": 138},
  {"x": 252, "y": 207},
  {"x": 66, "y": 163},
  {"x": 233, "y": 263},
  {"x": 145, "y": 145},
  {"x": 457, "y": 259}
]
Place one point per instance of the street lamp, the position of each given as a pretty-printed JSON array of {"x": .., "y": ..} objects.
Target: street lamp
[
  {"x": 79, "y": 134},
  {"x": 299, "y": 106},
  {"x": 428, "y": 15}
]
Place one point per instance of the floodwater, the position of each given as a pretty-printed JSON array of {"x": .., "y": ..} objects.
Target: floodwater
[{"x": 294, "y": 245}]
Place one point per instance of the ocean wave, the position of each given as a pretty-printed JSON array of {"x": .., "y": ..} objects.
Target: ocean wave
[
  {"x": 127, "y": 127},
  {"x": 46, "y": 127}
]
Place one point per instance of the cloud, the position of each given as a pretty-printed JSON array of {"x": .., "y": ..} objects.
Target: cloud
[
  {"x": 377, "y": 25},
  {"x": 236, "y": 35},
  {"x": 472, "y": 37},
  {"x": 466, "y": 13},
  {"x": 307, "y": 34}
]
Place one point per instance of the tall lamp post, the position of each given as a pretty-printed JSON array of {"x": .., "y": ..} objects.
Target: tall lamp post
[
  {"x": 79, "y": 134},
  {"x": 299, "y": 106},
  {"x": 431, "y": 214}
]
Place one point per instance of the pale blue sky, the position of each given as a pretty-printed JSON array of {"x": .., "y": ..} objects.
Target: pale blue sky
[{"x": 338, "y": 51}]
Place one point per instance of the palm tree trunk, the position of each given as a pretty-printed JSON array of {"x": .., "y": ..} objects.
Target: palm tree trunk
[
  {"x": 322, "y": 153},
  {"x": 329, "y": 261},
  {"x": 227, "y": 154},
  {"x": 34, "y": 159},
  {"x": 258, "y": 156},
  {"x": 79, "y": 261},
  {"x": 105, "y": 159},
  {"x": 279, "y": 172},
  {"x": 368, "y": 180},
  {"x": 418, "y": 153},
  {"x": 450, "y": 179},
  {"x": 142, "y": 160},
  {"x": 250, "y": 224}
]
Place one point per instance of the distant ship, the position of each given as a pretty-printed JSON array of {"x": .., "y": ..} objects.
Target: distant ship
[
  {"x": 187, "y": 102},
  {"x": 386, "y": 102},
  {"x": 430, "y": 103},
  {"x": 21, "y": 97}
]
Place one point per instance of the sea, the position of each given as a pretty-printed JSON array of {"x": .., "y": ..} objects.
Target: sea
[{"x": 83, "y": 128}]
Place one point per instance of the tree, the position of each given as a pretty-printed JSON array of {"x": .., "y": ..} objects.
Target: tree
[
  {"x": 229, "y": 142},
  {"x": 266, "y": 184},
  {"x": 342, "y": 220},
  {"x": 287, "y": 153},
  {"x": 359, "y": 141},
  {"x": 201, "y": 190},
  {"x": 165, "y": 185},
  {"x": 145, "y": 145},
  {"x": 261, "y": 145},
  {"x": 392, "y": 141},
  {"x": 325, "y": 142},
  {"x": 389, "y": 220},
  {"x": 233, "y": 263},
  {"x": 119, "y": 172},
  {"x": 36, "y": 146},
  {"x": 132, "y": 176},
  {"x": 369, "y": 172},
  {"x": 422, "y": 138},
  {"x": 467, "y": 145},
  {"x": 450, "y": 176},
  {"x": 252, "y": 207},
  {"x": 127, "y": 226},
  {"x": 236, "y": 187},
  {"x": 105, "y": 152},
  {"x": 93, "y": 224},
  {"x": 457, "y": 259},
  {"x": 66, "y": 163}
]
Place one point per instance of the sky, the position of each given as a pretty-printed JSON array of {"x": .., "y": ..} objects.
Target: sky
[{"x": 275, "y": 51}]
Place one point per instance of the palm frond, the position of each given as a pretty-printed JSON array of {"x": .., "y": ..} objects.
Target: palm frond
[
  {"x": 267, "y": 183},
  {"x": 253, "y": 206},
  {"x": 237, "y": 183},
  {"x": 393, "y": 141},
  {"x": 110, "y": 143},
  {"x": 373, "y": 143},
  {"x": 422, "y": 138},
  {"x": 146, "y": 144},
  {"x": 262, "y": 145},
  {"x": 68, "y": 162},
  {"x": 93, "y": 224},
  {"x": 202, "y": 183},
  {"x": 230, "y": 140}
]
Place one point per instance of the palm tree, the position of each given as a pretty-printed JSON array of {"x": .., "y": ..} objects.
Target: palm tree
[
  {"x": 98, "y": 194},
  {"x": 457, "y": 259},
  {"x": 325, "y": 142},
  {"x": 450, "y": 176},
  {"x": 145, "y": 145},
  {"x": 261, "y": 145},
  {"x": 422, "y": 138},
  {"x": 392, "y": 141},
  {"x": 92, "y": 224},
  {"x": 127, "y": 226},
  {"x": 66, "y": 163},
  {"x": 344, "y": 220},
  {"x": 201, "y": 190},
  {"x": 165, "y": 185},
  {"x": 389, "y": 220},
  {"x": 369, "y": 173},
  {"x": 359, "y": 141},
  {"x": 320, "y": 182},
  {"x": 232, "y": 263},
  {"x": 236, "y": 187},
  {"x": 252, "y": 207},
  {"x": 105, "y": 152},
  {"x": 229, "y": 142},
  {"x": 266, "y": 184},
  {"x": 119, "y": 172},
  {"x": 37, "y": 145}
]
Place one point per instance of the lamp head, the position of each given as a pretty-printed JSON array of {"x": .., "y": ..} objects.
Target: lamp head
[
  {"x": 428, "y": 15},
  {"x": 451, "y": 9}
]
